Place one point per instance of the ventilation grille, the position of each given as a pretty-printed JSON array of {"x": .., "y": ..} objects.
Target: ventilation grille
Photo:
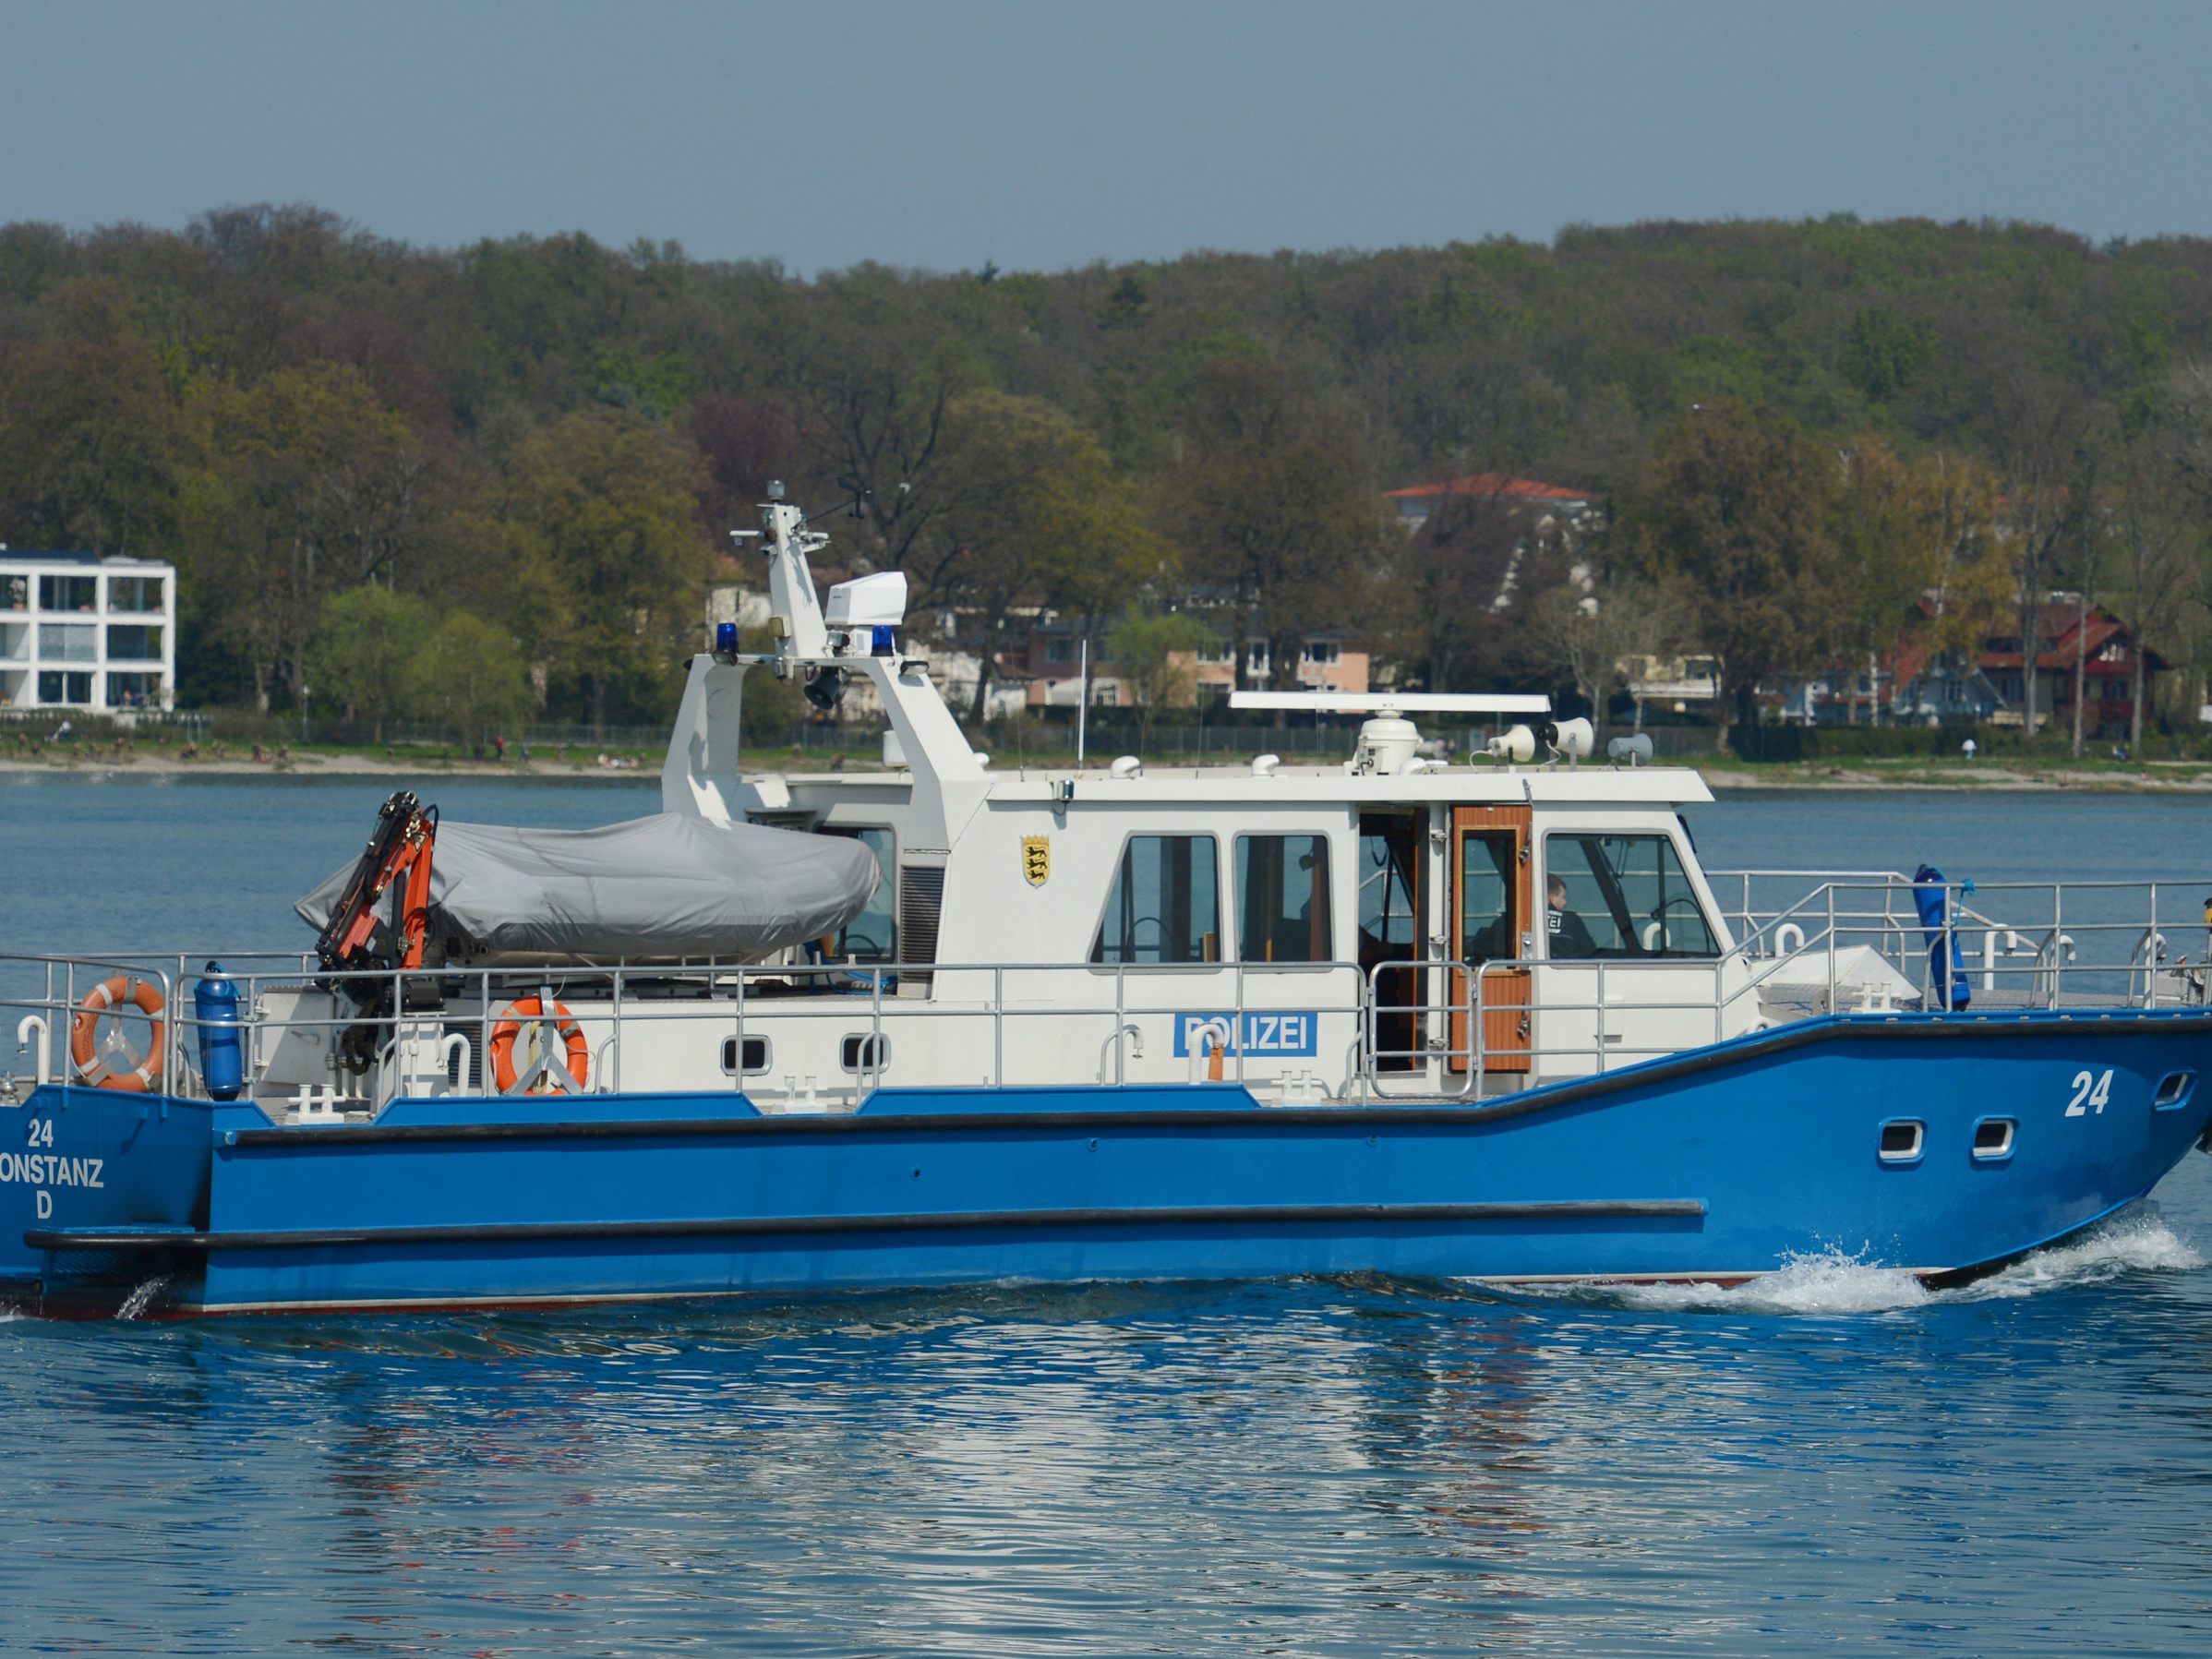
[{"x": 921, "y": 898}]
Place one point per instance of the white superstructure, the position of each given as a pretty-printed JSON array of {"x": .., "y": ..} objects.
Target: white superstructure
[
  {"x": 1139, "y": 918},
  {"x": 82, "y": 632}
]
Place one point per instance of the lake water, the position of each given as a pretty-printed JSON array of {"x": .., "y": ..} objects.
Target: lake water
[{"x": 1834, "y": 1458}]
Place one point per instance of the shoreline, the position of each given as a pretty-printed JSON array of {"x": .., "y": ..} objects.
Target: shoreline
[
  {"x": 322, "y": 765},
  {"x": 1984, "y": 780},
  {"x": 2179, "y": 777}
]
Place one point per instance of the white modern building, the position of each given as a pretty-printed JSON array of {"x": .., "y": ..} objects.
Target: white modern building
[{"x": 80, "y": 632}]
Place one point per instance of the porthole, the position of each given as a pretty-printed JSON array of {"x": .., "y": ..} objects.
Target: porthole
[
  {"x": 865, "y": 1053},
  {"x": 1903, "y": 1140},
  {"x": 2175, "y": 1090},
  {"x": 1993, "y": 1140},
  {"x": 756, "y": 1056}
]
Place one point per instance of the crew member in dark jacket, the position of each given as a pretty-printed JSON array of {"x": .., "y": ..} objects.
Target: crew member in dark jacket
[{"x": 1571, "y": 937}]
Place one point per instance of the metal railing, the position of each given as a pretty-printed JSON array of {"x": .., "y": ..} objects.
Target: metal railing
[
  {"x": 2041, "y": 943},
  {"x": 1409, "y": 1027},
  {"x": 1471, "y": 1063},
  {"x": 742, "y": 999}
]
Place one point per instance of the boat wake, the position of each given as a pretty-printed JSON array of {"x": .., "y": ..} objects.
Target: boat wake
[
  {"x": 141, "y": 1298},
  {"x": 2138, "y": 1242},
  {"x": 1832, "y": 1282}
]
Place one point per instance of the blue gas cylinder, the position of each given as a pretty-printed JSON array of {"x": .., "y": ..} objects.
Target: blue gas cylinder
[
  {"x": 215, "y": 1011},
  {"x": 1946, "y": 963}
]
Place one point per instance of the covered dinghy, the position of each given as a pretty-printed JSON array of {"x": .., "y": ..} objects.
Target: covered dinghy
[{"x": 667, "y": 885}]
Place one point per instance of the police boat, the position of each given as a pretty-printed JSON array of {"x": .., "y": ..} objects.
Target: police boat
[{"x": 951, "y": 1022}]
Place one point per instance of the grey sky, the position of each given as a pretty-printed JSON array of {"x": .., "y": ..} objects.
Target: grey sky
[{"x": 1042, "y": 135}]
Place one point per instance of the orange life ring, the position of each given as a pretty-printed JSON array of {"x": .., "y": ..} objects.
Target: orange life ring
[
  {"x": 84, "y": 1026},
  {"x": 503, "y": 1036}
]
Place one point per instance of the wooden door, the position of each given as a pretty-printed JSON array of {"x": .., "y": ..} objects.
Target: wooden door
[{"x": 1492, "y": 920}]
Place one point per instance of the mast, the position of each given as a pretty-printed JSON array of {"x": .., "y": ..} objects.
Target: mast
[
  {"x": 855, "y": 639},
  {"x": 791, "y": 581}
]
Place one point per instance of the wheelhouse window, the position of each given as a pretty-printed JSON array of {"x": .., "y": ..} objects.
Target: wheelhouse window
[
  {"x": 1389, "y": 873},
  {"x": 873, "y": 935},
  {"x": 1164, "y": 906},
  {"x": 1487, "y": 883},
  {"x": 1618, "y": 896},
  {"x": 1283, "y": 898}
]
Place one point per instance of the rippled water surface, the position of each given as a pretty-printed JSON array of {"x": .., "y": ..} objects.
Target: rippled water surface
[{"x": 1832, "y": 1459}]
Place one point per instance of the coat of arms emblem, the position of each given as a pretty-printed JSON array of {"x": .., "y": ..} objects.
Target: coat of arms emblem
[{"x": 1036, "y": 858}]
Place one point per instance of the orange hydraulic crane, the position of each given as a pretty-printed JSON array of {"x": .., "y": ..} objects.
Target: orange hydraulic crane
[{"x": 400, "y": 845}]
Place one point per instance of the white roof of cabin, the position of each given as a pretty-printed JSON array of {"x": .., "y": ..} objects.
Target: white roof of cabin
[{"x": 1660, "y": 786}]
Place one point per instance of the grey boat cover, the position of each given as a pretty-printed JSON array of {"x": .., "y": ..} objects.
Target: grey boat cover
[{"x": 667, "y": 885}]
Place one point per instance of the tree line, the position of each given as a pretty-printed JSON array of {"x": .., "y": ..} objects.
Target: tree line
[{"x": 385, "y": 471}]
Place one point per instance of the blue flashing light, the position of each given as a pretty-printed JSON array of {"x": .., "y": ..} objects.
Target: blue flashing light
[
  {"x": 880, "y": 642},
  {"x": 726, "y": 638}
]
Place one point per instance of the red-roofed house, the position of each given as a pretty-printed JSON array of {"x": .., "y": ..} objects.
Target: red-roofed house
[
  {"x": 1491, "y": 523},
  {"x": 1418, "y": 502},
  {"x": 1917, "y": 686},
  {"x": 2106, "y": 647}
]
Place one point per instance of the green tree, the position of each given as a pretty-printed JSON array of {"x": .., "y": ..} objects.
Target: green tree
[
  {"x": 1454, "y": 578},
  {"x": 1030, "y": 510},
  {"x": 94, "y": 448},
  {"x": 1153, "y": 652},
  {"x": 364, "y": 651},
  {"x": 2162, "y": 555},
  {"x": 1905, "y": 530},
  {"x": 316, "y": 488},
  {"x": 1595, "y": 635},
  {"x": 469, "y": 674},
  {"x": 869, "y": 374},
  {"x": 1740, "y": 512},
  {"x": 2044, "y": 436},
  {"x": 142, "y": 371},
  {"x": 597, "y": 518},
  {"x": 1274, "y": 511}
]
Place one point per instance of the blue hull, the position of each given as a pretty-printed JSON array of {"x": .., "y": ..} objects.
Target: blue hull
[{"x": 1718, "y": 1163}]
